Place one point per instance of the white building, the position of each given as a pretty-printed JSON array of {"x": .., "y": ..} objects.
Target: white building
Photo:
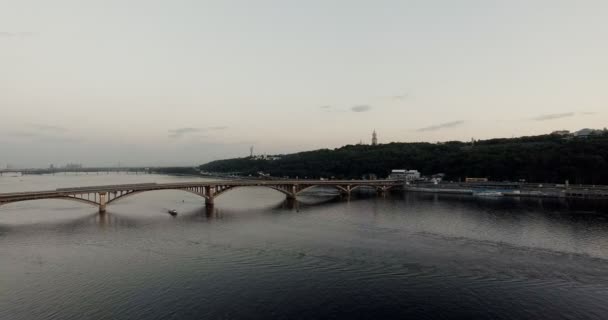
[{"x": 403, "y": 174}]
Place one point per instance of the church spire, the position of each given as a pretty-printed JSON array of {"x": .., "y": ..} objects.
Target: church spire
[{"x": 374, "y": 138}]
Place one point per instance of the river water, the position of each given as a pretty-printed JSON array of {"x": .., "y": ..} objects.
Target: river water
[{"x": 255, "y": 256}]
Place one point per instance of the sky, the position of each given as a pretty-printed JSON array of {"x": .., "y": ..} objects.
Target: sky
[{"x": 176, "y": 82}]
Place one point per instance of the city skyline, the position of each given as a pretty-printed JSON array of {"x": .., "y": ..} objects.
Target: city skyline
[{"x": 179, "y": 83}]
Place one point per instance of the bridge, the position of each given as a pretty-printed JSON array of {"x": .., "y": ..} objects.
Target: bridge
[
  {"x": 39, "y": 171},
  {"x": 101, "y": 196}
]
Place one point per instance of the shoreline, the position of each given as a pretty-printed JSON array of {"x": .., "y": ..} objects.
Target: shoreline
[{"x": 578, "y": 192}]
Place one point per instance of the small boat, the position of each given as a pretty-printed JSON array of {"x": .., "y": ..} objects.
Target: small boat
[{"x": 173, "y": 212}]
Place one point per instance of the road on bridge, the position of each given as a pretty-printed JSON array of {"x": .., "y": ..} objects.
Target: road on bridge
[{"x": 103, "y": 195}]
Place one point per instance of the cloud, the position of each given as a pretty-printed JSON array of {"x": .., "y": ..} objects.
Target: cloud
[
  {"x": 328, "y": 108},
  {"x": 588, "y": 113},
  {"x": 47, "y": 128},
  {"x": 361, "y": 108},
  {"x": 4, "y": 34},
  {"x": 357, "y": 108},
  {"x": 399, "y": 97},
  {"x": 553, "y": 116},
  {"x": 42, "y": 137},
  {"x": 21, "y": 134},
  {"x": 442, "y": 126},
  {"x": 43, "y": 133},
  {"x": 181, "y": 132}
]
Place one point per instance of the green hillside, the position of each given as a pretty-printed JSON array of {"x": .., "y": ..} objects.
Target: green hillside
[{"x": 546, "y": 158}]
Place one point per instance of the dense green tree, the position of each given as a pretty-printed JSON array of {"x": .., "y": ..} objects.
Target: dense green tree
[{"x": 546, "y": 158}]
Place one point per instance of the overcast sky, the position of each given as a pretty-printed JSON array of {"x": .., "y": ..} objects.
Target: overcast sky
[{"x": 184, "y": 82}]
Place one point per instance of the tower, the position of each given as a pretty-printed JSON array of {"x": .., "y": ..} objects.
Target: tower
[
  {"x": 251, "y": 151},
  {"x": 374, "y": 138}
]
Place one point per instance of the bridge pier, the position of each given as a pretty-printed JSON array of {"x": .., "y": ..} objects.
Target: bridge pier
[
  {"x": 293, "y": 193},
  {"x": 382, "y": 191},
  {"x": 102, "y": 202},
  {"x": 209, "y": 201},
  {"x": 348, "y": 191},
  {"x": 291, "y": 203}
]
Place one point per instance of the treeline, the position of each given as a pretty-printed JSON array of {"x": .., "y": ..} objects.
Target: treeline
[
  {"x": 175, "y": 170},
  {"x": 546, "y": 158}
]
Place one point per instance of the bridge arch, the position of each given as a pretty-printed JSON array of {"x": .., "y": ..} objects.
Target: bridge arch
[
  {"x": 337, "y": 187},
  {"x": 135, "y": 192},
  {"x": 283, "y": 191},
  {"x": 85, "y": 201}
]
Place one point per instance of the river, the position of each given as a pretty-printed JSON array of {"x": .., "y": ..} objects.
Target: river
[{"x": 255, "y": 256}]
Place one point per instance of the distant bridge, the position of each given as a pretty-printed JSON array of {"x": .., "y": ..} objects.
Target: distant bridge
[
  {"x": 101, "y": 196},
  {"x": 35, "y": 171}
]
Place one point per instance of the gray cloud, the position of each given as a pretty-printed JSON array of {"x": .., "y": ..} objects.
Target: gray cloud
[
  {"x": 58, "y": 139},
  {"x": 553, "y": 116},
  {"x": 44, "y": 137},
  {"x": 588, "y": 113},
  {"x": 41, "y": 132},
  {"x": 328, "y": 108},
  {"x": 21, "y": 134},
  {"x": 399, "y": 97},
  {"x": 361, "y": 108},
  {"x": 181, "y": 132},
  {"x": 442, "y": 126},
  {"x": 4, "y": 34},
  {"x": 47, "y": 128}
]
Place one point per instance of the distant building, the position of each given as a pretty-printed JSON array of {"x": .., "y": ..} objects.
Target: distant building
[
  {"x": 560, "y": 133},
  {"x": 584, "y": 133},
  {"x": 437, "y": 178},
  {"x": 265, "y": 157},
  {"x": 476, "y": 180},
  {"x": 73, "y": 166},
  {"x": 370, "y": 176},
  {"x": 374, "y": 138},
  {"x": 403, "y": 174}
]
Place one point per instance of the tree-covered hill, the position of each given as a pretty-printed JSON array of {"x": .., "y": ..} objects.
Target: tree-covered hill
[{"x": 546, "y": 158}]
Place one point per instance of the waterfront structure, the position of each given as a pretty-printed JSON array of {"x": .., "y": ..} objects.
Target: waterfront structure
[
  {"x": 403, "y": 174},
  {"x": 101, "y": 196}
]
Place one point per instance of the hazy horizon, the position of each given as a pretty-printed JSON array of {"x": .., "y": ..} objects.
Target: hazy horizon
[{"x": 187, "y": 82}]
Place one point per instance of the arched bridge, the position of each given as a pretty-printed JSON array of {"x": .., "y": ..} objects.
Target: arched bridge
[{"x": 101, "y": 196}]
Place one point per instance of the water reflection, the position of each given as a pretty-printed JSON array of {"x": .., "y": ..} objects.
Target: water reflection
[{"x": 397, "y": 256}]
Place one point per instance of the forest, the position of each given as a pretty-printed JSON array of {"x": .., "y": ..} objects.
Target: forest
[{"x": 544, "y": 158}]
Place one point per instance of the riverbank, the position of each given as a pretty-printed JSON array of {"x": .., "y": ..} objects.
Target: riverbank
[{"x": 514, "y": 190}]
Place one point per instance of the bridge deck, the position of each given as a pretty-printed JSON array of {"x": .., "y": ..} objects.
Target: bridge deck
[{"x": 62, "y": 192}]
